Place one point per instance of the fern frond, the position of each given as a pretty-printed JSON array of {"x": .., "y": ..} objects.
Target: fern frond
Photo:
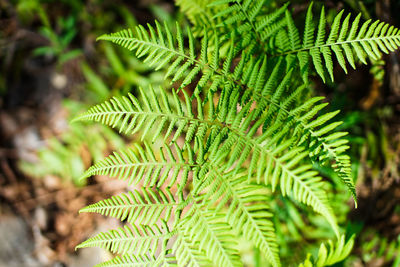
[
  {"x": 214, "y": 235},
  {"x": 187, "y": 252},
  {"x": 280, "y": 166},
  {"x": 348, "y": 40},
  {"x": 158, "y": 47},
  {"x": 252, "y": 20},
  {"x": 248, "y": 213},
  {"x": 129, "y": 115},
  {"x": 326, "y": 145},
  {"x": 275, "y": 163},
  {"x": 139, "y": 207},
  {"x": 230, "y": 125},
  {"x": 133, "y": 239},
  {"x": 132, "y": 260},
  {"x": 333, "y": 254},
  {"x": 143, "y": 166}
]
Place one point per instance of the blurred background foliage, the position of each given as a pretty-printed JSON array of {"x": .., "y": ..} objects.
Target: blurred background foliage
[{"x": 51, "y": 69}]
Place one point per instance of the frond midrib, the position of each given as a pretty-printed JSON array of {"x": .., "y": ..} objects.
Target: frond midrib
[
  {"x": 144, "y": 164},
  {"x": 338, "y": 43},
  {"x": 149, "y": 114},
  {"x": 157, "y": 46},
  {"x": 97, "y": 242},
  {"x": 120, "y": 206}
]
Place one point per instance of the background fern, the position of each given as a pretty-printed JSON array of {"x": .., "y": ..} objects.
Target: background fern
[{"x": 247, "y": 134}]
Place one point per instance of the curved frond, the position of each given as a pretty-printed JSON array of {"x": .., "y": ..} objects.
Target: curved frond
[
  {"x": 250, "y": 131},
  {"x": 160, "y": 47}
]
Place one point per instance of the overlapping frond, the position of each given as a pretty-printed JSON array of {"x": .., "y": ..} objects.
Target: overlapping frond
[
  {"x": 274, "y": 165},
  {"x": 349, "y": 40},
  {"x": 213, "y": 234},
  {"x": 251, "y": 19},
  {"x": 248, "y": 213},
  {"x": 234, "y": 137},
  {"x": 235, "y": 134},
  {"x": 187, "y": 252}
]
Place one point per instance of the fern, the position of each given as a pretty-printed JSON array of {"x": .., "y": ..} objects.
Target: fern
[
  {"x": 331, "y": 255},
  {"x": 238, "y": 130},
  {"x": 138, "y": 261},
  {"x": 146, "y": 207},
  {"x": 248, "y": 76},
  {"x": 131, "y": 239},
  {"x": 348, "y": 40}
]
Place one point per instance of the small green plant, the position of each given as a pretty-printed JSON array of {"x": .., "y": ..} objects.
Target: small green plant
[
  {"x": 59, "y": 43},
  {"x": 237, "y": 135}
]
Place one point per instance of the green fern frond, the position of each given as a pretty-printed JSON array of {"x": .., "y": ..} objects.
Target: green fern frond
[
  {"x": 333, "y": 254},
  {"x": 187, "y": 252},
  {"x": 147, "y": 206},
  {"x": 286, "y": 168},
  {"x": 129, "y": 116},
  {"x": 214, "y": 235},
  {"x": 143, "y": 166},
  {"x": 239, "y": 140},
  {"x": 248, "y": 213},
  {"x": 133, "y": 239},
  {"x": 252, "y": 20},
  {"x": 347, "y": 40},
  {"x": 158, "y": 47},
  {"x": 131, "y": 260}
]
